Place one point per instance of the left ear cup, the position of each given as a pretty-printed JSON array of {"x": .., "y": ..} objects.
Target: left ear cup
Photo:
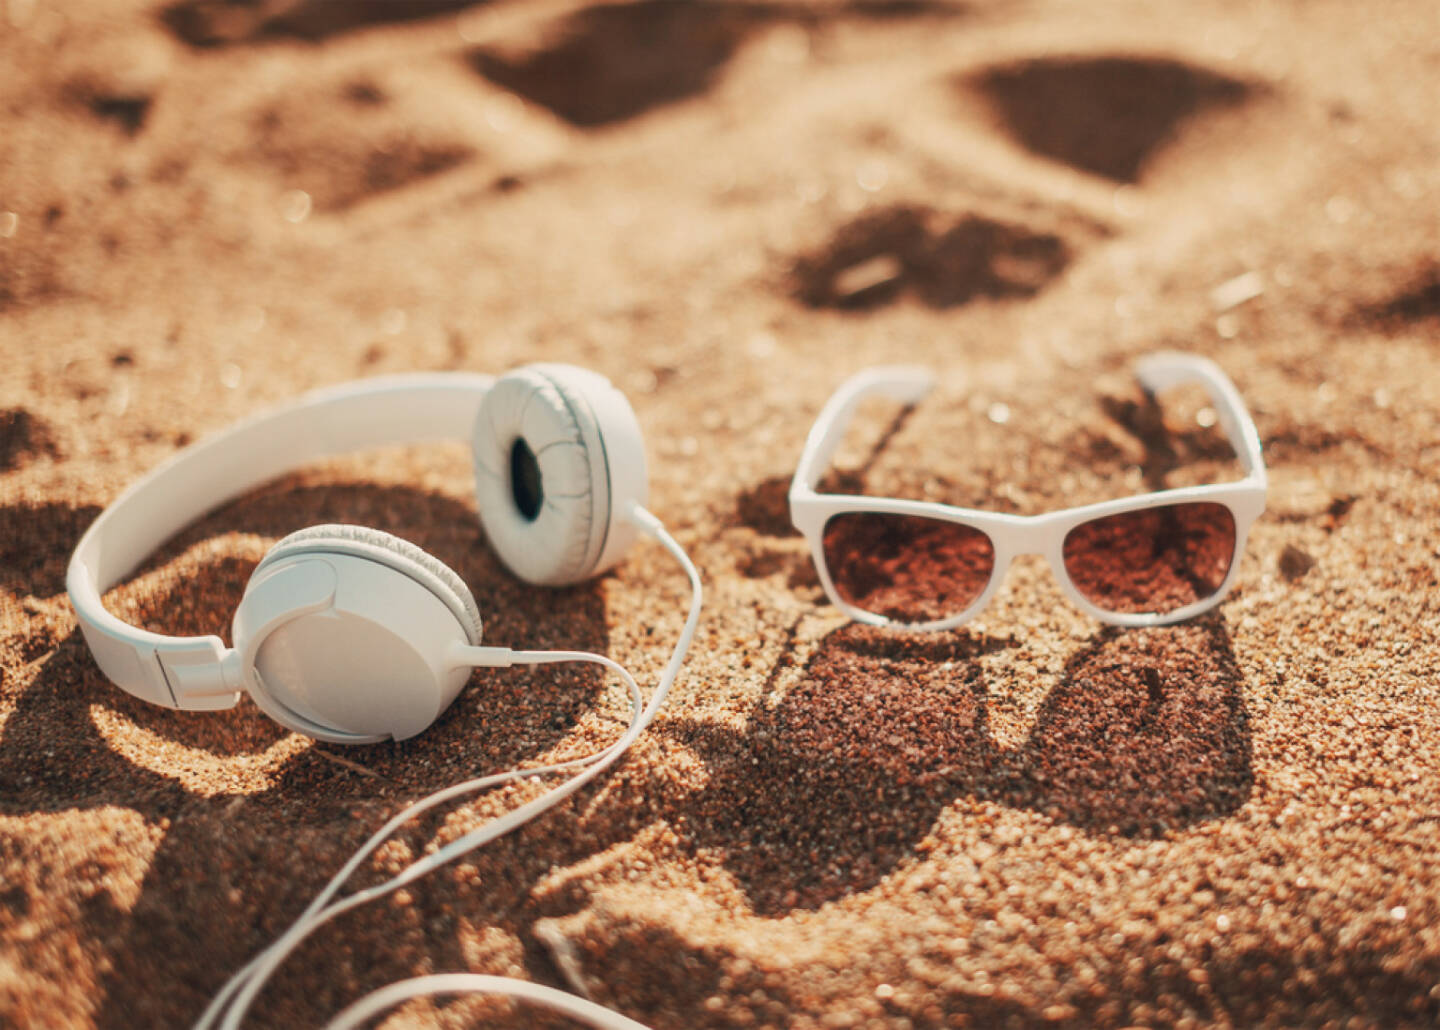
[
  {"x": 347, "y": 634},
  {"x": 558, "y": 463}
]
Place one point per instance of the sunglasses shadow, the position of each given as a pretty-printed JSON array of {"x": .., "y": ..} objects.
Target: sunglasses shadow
[{"x": 835, "y": 782}]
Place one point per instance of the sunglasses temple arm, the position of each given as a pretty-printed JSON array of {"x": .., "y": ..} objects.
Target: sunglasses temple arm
[
  {"x": 1158, "y": 372},
  {"x": 904, "y": 383}
]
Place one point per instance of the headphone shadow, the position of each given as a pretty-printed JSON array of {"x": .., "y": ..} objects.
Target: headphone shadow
[
  {"x": 229, "y": 787},
  {"x": 833, "y": 785}
]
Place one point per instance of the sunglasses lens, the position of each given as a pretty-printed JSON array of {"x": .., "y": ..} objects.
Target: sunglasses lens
[
  {"x": 1152, "y": 561},
  {"x": 905, "y": 567}
]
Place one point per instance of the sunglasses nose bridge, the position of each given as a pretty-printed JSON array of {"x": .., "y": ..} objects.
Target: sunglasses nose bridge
[{"x": 1026, "y": 535}]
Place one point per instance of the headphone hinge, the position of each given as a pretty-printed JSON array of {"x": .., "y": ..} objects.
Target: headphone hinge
[{"x": 196, "y": 674}]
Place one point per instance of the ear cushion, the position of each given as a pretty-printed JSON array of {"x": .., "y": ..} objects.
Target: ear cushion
[
  {"x": 540, "y": 412},
  {"x": 389, "y": 550}
]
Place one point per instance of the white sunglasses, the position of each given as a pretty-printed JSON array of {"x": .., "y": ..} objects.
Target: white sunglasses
[{"x": 1146, "y": 560}]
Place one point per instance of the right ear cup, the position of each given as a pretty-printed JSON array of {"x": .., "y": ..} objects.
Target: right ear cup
[
  {"x": 348, "y": 633},
  {"x": 559, "y": 462}
]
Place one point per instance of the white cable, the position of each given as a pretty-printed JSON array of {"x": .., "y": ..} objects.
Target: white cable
[
  {"x": 235, "y": 998},
  {"x": 253, "y": 976},
  {"x": 579, "y": 1008}
]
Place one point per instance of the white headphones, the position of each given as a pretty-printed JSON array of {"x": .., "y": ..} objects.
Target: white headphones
[
  {"x": 350, "y": 634},
  {"x": 347, "y": 633}
]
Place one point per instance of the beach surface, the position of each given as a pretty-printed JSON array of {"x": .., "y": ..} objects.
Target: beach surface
[{"x": 211, "y": 207}]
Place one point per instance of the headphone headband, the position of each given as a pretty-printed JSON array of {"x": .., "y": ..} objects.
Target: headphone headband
[{"x": 191, "y": 672}]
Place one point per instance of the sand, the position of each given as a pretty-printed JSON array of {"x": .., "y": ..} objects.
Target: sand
[{"x": 726, "y": 208}]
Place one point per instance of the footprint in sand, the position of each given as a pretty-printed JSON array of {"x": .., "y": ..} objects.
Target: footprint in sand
[
  {"x": 1107, "y": 115},
  {"x": 606, "y": 64},
  {"x": 943, "y": 260},
  {"x": 612, "y": 62},
  {"x": 381, "y": 145}
]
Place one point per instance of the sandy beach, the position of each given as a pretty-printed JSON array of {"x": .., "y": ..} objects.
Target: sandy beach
[{"x": 209, "y": 207}]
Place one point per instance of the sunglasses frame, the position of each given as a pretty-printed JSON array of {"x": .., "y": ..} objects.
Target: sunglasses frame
[{"x": 1014, "y": 535}]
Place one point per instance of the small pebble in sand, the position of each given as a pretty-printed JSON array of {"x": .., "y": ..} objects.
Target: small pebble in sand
[
  {"x": 872, "y": 175},
  {"x": 295, "y": 207},
  {"x": 393, "y": 322},
  {"x": 1294, "y": 562},
  {"x": 1234, "y": 292},
  {"x": 1127, "y": 201},
  {"x": 503, "y": 111},
  {"x": 9, "y": 222},
  {"x": 866, "y": 275}
]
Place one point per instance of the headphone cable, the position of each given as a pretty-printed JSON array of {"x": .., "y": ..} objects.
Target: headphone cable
[{"x": 233, "y": 1000}]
